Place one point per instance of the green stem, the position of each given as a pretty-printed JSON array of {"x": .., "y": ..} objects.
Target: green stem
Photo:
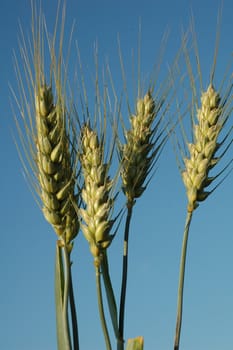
[
  {"x": 66, "y": 259},
  {"x": 181, "y": 281},
  {"x": 73, "y": 315},
  {"x": 59, "y": 289},
  {"x": 61, "y": 297},
  {"x": 101, "y": 309},
  {"x": 110, "y": 293},
  {"x": 120, "y": 345}
]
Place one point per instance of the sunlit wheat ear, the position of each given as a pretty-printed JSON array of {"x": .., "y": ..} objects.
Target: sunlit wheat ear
[
  {"x": 202, "y": 152},
  {"x": 55, "y": 171},
  {"x": 96, "y": 194},
  {"x": 143, "y": 145},
  {"x": 47, "y": 149},
  {"x": 210, "y": 113}
]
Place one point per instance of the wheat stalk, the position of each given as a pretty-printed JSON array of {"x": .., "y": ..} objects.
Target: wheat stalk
[
  {"x": 96, "y": 215},
  {"x": 144, "y": 143},
  {"x": 50, "y": 161},
  {"x": 211, "y": 118},
  {"x": 207, "y": 121},
  {"x": 98, "y": 193}
]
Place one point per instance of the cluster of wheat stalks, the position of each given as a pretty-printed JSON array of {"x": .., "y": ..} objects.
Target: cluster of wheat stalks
[{"x": 71, "y": 174}]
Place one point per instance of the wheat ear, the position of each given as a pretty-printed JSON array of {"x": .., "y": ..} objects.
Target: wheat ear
[
  {"x": 95, "y": 194},
  {"x": 134, "y": 154},
  {"x": 55, "y": 170},
  {"x": 202, "y": 151}
]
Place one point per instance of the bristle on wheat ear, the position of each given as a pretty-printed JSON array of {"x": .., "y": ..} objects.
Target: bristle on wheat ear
[
  {"x": 202, "y": 151},
  {"x": 95, "y": 194},
  {"x": 55, "y": 172}
]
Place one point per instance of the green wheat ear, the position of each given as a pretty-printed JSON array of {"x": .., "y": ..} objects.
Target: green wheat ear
[
  {"x": 209, "y": 119},
  {"x": 47, "y": 147},
  {"x": 96, "y": 194},
  {"x": 203, "y": 150},
  {"x": 144, "y": 143},
  {"x": 134, "y": 153},
  {"x": 55, "y": 170}
]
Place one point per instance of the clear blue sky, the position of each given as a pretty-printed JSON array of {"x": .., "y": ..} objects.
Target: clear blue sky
[{"x": 27, "y": 317}]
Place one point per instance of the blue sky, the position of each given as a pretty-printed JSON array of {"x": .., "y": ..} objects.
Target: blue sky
[{"x": 27, "y": 317}]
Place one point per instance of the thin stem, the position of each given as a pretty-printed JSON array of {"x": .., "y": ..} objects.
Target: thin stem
[
  {"x": 66, "y": 297},
  {"x": 73, "y": 315},
  {"x": 59, "y": 291},
  {"x": 101, "y": 309},
  {"x": 181, "y": 281},
  {"x": 110, "y": 293},
  {"x": 124, "y": 278}
]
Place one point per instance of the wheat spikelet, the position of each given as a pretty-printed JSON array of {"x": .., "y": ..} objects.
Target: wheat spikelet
[
  {"x": 55, "y": 172},
  {"x": 202, "y": 151},
  {"x": 95, "y": 194},
  {"x": 135, "y": 154}
]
